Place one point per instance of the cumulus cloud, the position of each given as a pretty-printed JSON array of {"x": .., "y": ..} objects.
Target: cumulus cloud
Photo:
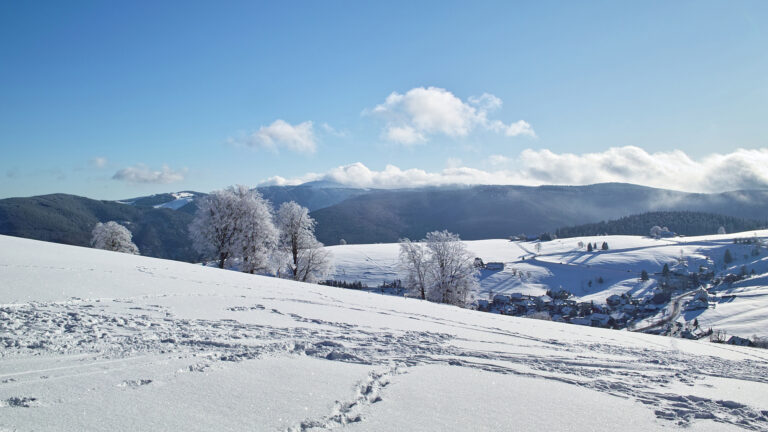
[
  {"x": 98, "y": 162},
  {"x": 421, "y": 112},
  {"x": 299, "y": 138},
  {"x": 141, "y": 173},
  {"x": 741, "y": 169}
]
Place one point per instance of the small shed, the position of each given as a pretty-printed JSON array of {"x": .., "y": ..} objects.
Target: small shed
[{"x": 494, "y": 266}]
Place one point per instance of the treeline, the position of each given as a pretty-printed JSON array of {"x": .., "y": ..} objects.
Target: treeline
[{"x": 682, "y": 222}]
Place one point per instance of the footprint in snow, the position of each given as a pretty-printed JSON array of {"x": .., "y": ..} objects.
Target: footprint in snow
[{"x": 135, "y": 383}]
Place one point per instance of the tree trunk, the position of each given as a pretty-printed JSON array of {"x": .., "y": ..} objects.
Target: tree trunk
[{"x": 222, "y": 258}]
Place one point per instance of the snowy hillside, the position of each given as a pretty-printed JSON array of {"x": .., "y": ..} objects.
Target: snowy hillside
[
  {"x": 95, "y": 340},
  {"x": 180, "y": 199},
  {"x": 740, "y": 308}
]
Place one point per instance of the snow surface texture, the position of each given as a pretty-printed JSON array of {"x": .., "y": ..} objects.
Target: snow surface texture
[
  {"x": 97, "y": 340},
  {"x": 742, "y": 308}
]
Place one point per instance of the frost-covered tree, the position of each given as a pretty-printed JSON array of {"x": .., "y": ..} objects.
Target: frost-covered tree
[
  {"x": 451, "y": 268},
  {"x": 307, "y": 260},
  {"x": 215, "y": 227},
  {"x": 315, "y": 263},
  {"x": 439, "y": 268},
  {"x": 235, "y": 223},
  {"x": 113, "y": 237},
  {"x": 413, "y": 265},
  {"x": 721, "y": 230},
  {"x": 655, "y": 231},
  {"x": 258, "y": 235}
]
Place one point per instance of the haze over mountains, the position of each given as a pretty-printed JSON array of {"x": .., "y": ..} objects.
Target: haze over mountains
[{"x": 159, "y": 222}]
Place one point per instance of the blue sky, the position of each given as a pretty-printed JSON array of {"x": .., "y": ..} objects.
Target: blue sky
[{"x": 118, "y": 99}]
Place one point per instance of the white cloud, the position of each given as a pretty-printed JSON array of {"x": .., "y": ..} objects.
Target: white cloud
[
  {"x": 282, "y": 181},
  {"x": 486, "y": 102},
  {"x": 498, "y": 159},
  {"x": 333, "y": 131},
  {"x": 403, "y": 134},
  {"x": 98, "y": 162},
  {"x": 421, "y": 112},
  {"x": 741, "y": 169},
  {"x": 520, "y": 127},
  {"x": 141, "y": 173},
  {"x": 453, "y": 162},
  {"x": 299, "y": 138}
]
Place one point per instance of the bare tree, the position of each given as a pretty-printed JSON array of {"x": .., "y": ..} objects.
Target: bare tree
[
  {"x": 307, "y": 260},
  {"x": 113, "y": 237}
]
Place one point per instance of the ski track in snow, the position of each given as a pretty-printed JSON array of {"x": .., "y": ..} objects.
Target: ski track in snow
[{"x": 125, "y": 329}]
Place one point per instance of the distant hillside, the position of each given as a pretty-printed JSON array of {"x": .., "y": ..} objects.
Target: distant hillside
[
  {"x": 69, "y": 219},
  {"x": 682, "y": 222},
  {"x": 373, "y": 216},
  {"x": 313, "y": 196},
  {"x": 500, "y": 211}
]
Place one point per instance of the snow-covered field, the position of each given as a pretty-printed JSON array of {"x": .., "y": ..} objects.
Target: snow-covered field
[
  {"x": 95, "y": 340},
  {"x": 561, "y": 263}
]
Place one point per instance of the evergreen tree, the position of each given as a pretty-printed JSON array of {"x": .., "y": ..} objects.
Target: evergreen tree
[
  {"x": 605, "y": 246},
  {"x": 644, "y": 275},
  {"x": 728, "y": 258},
  {"x": 665, "y": 271},
  {"x": 589, "y": 247}
]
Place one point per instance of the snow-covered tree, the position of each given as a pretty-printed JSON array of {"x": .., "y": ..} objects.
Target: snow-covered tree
[
  {"x": 235, "y": 223},
  {"x": 451, "y": 269},
  {"x": 306, "y": 259},
  {"x": 113, "y": 237},
  {"x": 215, "y": 228},
  {"x": 655, "y": 231},
  {"x": 413, "y": 264},
  {"x": 721, "y": 230},
  {"x": 258, "y": 235},
  {"x": 439, "y": 268},
  {"x": 314, "y": 263}
]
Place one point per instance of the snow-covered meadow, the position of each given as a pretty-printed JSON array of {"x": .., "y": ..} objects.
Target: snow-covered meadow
[
  {"x": 562, "y": 263},
  {"x": 97, "y": 340}
]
